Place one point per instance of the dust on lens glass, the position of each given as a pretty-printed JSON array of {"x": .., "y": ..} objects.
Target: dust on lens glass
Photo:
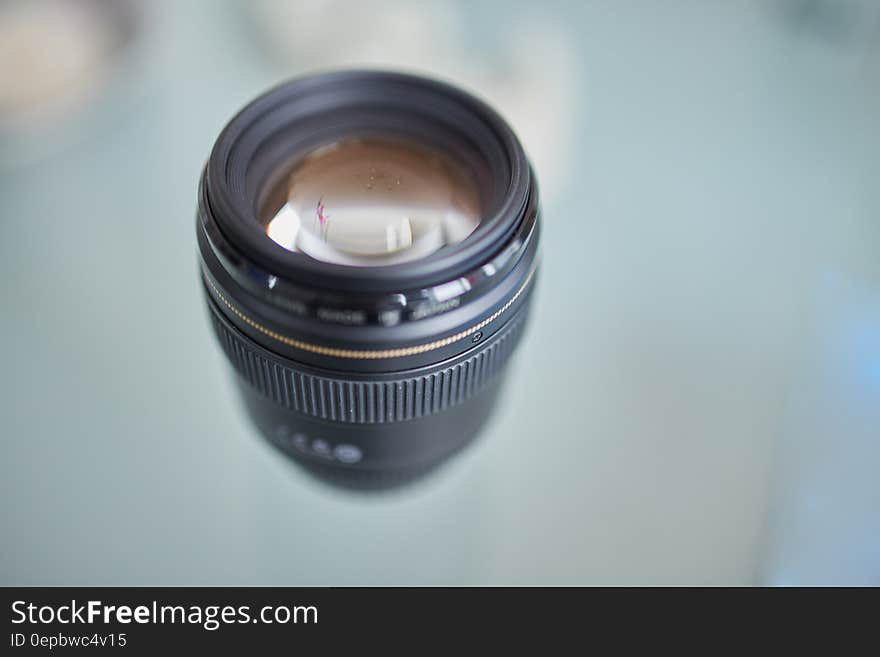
[{"x": 371, "y": 202}]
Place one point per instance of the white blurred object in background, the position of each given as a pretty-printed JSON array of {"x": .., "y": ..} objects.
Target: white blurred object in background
[{"x": 57, "y": 58}]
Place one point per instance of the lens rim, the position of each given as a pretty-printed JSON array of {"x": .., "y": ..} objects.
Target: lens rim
[{"x": 234, "y": 207}]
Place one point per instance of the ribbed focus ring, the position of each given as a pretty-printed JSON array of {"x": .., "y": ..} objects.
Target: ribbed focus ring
[{"x": 368, "y": 402}]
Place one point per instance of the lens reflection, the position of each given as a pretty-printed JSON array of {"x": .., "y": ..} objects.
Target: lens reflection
[{"x": 372, "y": 202}]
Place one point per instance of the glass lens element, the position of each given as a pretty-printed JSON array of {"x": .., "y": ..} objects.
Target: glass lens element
[{"x": 373, "y": 202}]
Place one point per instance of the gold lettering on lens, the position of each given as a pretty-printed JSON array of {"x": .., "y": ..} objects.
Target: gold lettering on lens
[{"x": 360, "y": 354}]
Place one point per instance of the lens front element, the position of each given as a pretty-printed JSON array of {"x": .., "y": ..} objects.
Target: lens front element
[{"x": 372, "y": 202}]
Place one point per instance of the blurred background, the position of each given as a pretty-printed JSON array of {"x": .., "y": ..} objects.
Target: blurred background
[{"x": 709, "y": 300}]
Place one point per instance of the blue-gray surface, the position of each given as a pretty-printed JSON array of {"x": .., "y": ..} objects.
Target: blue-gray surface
[{"x": 697, "y": 399}]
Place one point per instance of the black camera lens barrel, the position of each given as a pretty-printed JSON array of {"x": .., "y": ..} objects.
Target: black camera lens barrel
[{"x": 382, "y": 369}]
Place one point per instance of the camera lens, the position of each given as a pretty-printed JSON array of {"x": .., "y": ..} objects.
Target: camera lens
[{"x": 368, "y": 249}]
